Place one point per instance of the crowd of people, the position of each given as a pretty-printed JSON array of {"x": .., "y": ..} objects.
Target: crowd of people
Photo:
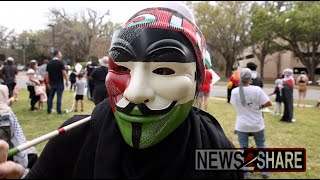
[{"x": 148, "y": 127}]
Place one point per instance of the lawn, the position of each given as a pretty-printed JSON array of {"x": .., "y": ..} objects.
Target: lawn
[
  {"x": 37, "y": 123},
  {"x": 304, "y": 133}
]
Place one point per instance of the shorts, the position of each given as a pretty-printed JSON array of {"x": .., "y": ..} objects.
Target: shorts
[
  {"x": 203, "y": 94},
  {"x": 79, "y": 97},
  {"x": 302, "y": 88}
]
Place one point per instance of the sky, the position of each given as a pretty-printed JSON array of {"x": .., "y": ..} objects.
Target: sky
[{"x": 34, "y": 15}]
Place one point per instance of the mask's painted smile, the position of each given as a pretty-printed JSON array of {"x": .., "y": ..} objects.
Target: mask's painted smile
[{"x": 143, "y": 109}]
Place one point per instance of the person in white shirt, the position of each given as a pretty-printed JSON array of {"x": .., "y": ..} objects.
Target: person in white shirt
[
  {"x": 33, "y": 80},
  {"x": 248, "y": 101}
]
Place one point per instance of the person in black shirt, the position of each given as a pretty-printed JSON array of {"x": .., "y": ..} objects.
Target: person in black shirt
[
  {"x": 256, "y": 79},
  {"x": 89, "y": 70},
  {"x": 54, "y": 79},
  {"x": 148, "y": 126},
  {"x": 9, "y": 72},
  {"x": 98, "y": 75},
  {"x": 73, "y": 79},
  {"x": 278, "y": 93}
]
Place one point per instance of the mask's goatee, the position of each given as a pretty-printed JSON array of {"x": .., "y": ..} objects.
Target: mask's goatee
[{"x": 136, "y": 134}]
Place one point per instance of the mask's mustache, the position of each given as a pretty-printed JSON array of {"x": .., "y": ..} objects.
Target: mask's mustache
[{"x": 144, "y": 109}]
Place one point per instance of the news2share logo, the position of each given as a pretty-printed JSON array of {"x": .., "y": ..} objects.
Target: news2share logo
[{"x": 252, "y": 159}]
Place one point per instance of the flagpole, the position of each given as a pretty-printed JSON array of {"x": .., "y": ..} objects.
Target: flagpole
[{"x": 45, "y": 137}]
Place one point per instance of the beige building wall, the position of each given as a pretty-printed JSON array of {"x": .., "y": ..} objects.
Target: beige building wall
[{"x": 274, "y": 64}]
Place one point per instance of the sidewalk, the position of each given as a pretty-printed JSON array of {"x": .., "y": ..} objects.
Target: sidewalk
[{"x": 224, "y": 99}]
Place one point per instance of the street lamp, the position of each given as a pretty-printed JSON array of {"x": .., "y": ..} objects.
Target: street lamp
[{"x": 53, "y": 48}]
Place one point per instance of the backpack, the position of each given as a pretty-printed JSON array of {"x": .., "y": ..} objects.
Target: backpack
[{"x": 5, "y": 129}]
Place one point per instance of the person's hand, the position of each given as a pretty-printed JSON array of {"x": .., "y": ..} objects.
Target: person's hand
[
  {"x": 8, "y": 169},
  {"x": 15, "y": 93},
  {"x": 48, "y": 86},
  {"x": 67, "y": 84}
]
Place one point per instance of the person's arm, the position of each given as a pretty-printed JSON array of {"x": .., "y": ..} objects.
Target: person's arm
[
  {"x": 264, "y": 99},
  {"x": 65, "y": 75},
  {"x": 273, "y": 92},
  {"x": 47, "y": 81},
  {"x": 31, "y": 78},
  {"x": 14, "y": 96}
]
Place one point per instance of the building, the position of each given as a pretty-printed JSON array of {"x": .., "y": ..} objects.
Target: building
[{"x": 275, "y": 63}]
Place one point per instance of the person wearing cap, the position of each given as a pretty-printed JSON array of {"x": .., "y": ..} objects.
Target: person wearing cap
[
  {"x": 8, "y": 73},
  {"x": 148, "y": 127},
  {"x": 248, "y": 101},
  {"x": 98, "y": 75},
  {"x": 287, "y": 93}
]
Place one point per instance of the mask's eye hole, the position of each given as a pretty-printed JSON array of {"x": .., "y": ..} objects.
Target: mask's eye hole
[
  {"x": 163, "y": 71},
  {"x": 121, "y": 69}
]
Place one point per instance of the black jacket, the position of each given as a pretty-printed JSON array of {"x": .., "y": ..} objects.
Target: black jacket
[{"x": 97, "y": 150}]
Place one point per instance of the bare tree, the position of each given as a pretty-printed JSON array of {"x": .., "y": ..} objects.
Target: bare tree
[
  {"x": 76, "y": 34},
  {"x": 5, "y": 36}
]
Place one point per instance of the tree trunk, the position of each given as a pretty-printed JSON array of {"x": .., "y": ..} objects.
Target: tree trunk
[
  {"x": 278, "y": 65},
  {"x": 311, "y": 73},
  {"x": 228, "y": 71},
  {"x": 262, "y": 68}
]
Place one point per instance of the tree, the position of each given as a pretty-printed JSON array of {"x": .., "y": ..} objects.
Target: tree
[
  {"x": 225, "y": 26},
  {"x": 298, "y": 30},
  {"x": 5, "y": 35},
  {"x": 262, "y": 34},
  {"x": 76, "y": 34}
]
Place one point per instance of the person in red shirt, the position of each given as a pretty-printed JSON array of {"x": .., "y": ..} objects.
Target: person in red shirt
[
  {"x": 205, "y": 91},
  {"x": 233, "y": 80}
]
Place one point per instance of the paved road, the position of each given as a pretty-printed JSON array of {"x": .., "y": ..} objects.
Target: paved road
[
  {"x": 216, "y": 90},
  {"x": 221, "y": 91}
]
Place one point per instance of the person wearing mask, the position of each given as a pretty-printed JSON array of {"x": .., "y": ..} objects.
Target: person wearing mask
[{"x": 148, "y": 126}]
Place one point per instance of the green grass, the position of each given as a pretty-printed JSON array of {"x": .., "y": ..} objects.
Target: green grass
[
  {"x": 304, "y": 133},
  {"x": 37, "y": 123}
]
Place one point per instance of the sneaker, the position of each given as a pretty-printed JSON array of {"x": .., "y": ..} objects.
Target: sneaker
[
  {"x": 247, "y": 175},
  {"x": 81, "y": 110},
  {"x": 293, "y": 120},
  {"x": 75, "y": 110},
  {"x": 265, "y": 175}
]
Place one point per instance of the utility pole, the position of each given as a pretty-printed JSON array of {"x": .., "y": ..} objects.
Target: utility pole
[{"x": 53, "y": 36}]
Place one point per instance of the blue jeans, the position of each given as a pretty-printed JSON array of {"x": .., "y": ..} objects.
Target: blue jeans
[
  {"x": 243, "y": 138},
  {"x": 258, "y": 137},
  {"x": 53, "y": 89}
]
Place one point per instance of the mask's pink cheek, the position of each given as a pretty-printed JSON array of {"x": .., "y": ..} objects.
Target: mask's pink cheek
[{"x": 116, "y": 84}]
